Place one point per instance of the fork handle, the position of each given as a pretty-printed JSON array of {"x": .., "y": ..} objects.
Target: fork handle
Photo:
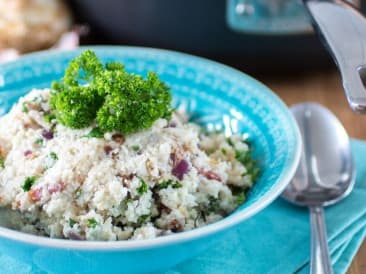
[{"x": 320, "y": 260}]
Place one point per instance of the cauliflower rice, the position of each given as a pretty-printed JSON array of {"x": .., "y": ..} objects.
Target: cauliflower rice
[{"x": 66, "y": 183}]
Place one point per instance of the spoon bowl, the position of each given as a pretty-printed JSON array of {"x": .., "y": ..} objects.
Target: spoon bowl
[
  {"x": 325, "y": 173},
  {"x": 324, "y": 176}
]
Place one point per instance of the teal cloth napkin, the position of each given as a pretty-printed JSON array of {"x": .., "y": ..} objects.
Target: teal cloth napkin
[{"x": 277, "y": 240}]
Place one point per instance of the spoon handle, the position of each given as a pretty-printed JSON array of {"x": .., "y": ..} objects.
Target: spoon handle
[{"x": 320, "y": 259}]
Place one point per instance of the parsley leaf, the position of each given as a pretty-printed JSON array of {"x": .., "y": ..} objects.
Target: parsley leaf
[
  {"x": 167, "y": 183},
  {"x": 251, "y": 165},
  {"x": 39, "y": 141},
  {"x": 164, "y": 184},
  {"x": 28, "y": 183},
  {"x": 177, "y": 185},
  {"x": 25, "y": 107},
  {"x": 72, "y": 222},
  {"x": 240, "y": 198},
  {"x": 142, "y": 189},
  {"x": 230, "y": 142},
  {"x": 142, "y": 219},
  {"x": 54, "y": 156},
  {"x": 92, "y": 223}
]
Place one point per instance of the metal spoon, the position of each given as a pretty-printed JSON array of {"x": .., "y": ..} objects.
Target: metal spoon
[{"x": 324, "y": 176}]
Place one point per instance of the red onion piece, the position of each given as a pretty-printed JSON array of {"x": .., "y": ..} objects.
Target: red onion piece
[
  {"x": 181, "y": 169},
  {"x": 27, "y": 153},
  {"x": 47, "y": 134},
  {"x": 171, "y": 124}
]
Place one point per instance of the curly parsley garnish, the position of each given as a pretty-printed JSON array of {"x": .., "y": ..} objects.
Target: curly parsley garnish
[{"x": 108, "y": 96}]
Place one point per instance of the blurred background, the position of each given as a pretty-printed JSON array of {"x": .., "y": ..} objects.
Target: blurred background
[{"x": 257, "y": 36}]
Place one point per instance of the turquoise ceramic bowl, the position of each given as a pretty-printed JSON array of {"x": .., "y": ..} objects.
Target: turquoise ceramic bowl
[{"x": 218, "y": 97}]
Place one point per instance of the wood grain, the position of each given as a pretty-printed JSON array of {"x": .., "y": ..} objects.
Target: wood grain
[{"x": 325, "y": 88}]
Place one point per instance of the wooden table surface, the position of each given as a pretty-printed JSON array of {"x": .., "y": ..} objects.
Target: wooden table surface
[{"x": 324, "y": 87}]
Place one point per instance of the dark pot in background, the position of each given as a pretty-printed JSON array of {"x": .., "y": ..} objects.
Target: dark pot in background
[{"x": 257, "y": 36}]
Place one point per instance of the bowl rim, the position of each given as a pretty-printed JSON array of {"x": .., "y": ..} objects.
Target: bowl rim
[{"x": 181, "y": 237}]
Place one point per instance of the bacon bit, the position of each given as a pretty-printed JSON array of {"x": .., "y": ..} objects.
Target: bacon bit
[
  {"x": 115, "y": 155},
  {"x": 27, "y": 153},
  {"x": 175, "y": 226},
  {"x": 125, "y": 179},
  {"x": 35, "y": 194},
  {"x": 126, "y": 183},
  {"x": 181, "y": 169},
  {"x": 149, "y": 165},
  {"x": 27, "y": 125},
  {"x": 164, "y": 208},
  {"x": 125, "y": 176},
  {"x": 173, "y": 157},
  {"x": 47, "y": 134},
  {"x": 3, "y": 149},
  {"x": 211, "y": 175},
  {"x": 118, "y": 138},
  {"x": 56, "y": 188},
  {"x": 108, "y": 149}
]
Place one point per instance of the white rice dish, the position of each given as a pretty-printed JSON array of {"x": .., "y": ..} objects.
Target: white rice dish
[{"x": 63, "y": 183}]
